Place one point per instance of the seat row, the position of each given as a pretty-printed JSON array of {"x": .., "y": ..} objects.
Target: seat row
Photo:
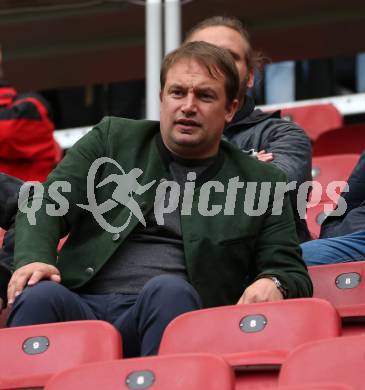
[
  {"x": 243, "y": 347},
  {"x": 256, "y": 341},
  {"x": 332, "y": 364}
]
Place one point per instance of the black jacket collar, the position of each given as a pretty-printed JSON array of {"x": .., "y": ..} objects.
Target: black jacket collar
[{"x": 247, "y": 117}]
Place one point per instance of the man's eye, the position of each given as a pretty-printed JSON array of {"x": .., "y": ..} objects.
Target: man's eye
[
  {"x": 176, "y": 92},
  {"x": 206, "y": 97}
]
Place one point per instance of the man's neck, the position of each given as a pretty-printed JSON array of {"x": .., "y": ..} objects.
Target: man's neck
[{"x": 193, "y": 155}]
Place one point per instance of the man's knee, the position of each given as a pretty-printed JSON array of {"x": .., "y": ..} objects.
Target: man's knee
[
  {"x": 37, "y": 304},
  {"x": 40, "y": 294}
]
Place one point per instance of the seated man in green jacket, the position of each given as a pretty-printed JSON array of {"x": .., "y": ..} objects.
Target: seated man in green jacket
[{"x": 163, "y": 217}]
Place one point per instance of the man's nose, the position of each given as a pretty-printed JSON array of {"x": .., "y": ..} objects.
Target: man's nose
[{"x": 189, "y": 104}]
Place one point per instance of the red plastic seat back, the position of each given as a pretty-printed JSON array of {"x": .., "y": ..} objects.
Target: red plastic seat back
[
  {"x": 32, "y": 354},
  {"x": 279, "y": 326},
  {"x": 315, "y": 216},
  {"x": 314, "y": 119},
  {"x": 343, "y": 285},
  {"x": 330, "y": 175},
  {"x": 347, "y": 139},
  {"x": 176, "y": 372},
  {"x": 338, "y": 359},
  {"x": 326, "y": 170},
  {"x": 255, "y": 338}
]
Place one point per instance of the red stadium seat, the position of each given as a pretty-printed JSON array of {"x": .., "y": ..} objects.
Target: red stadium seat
[
  {"x": 326, "y": 170},
  {"x": 314, "y": 119},
  {"x": 317, "y": 386},
  {"x": 30, "y": 355},
  {"x": 348, "y": 139},
  {"x": 255, "y": 338},
  {"x": 315, "y": 216},
  {"x": 343, "y": 286},
  {"x": 339, "y": 360},
  {"x": 175, "y": 372},
  {"x": 330, "y": 175}
]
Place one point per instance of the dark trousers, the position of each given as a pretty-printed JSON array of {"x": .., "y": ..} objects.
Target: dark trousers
[{"x": 140, "y": 318}]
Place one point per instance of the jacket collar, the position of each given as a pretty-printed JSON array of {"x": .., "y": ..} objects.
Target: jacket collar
[{"x": 247, "y": 117}]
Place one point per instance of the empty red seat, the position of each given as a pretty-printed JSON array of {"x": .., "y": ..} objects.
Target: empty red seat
[
  {"x": 315, "y": 216},
  {"x": 347, "y": 139},
  {"x": 330, "y": 175},
  {"x": 179, "y": 372},
  {"x": 255, "y": 338},
  {"x": 326, "y": 170},
  {"x": 338, "y": 359},
  {"x": 343, "y": 285},
  {"x": 30, "y": 355},
  {"x": 315, "y": 119}
]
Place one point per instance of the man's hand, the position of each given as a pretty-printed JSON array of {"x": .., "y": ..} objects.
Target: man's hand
[
  {"x": 262, "y": 290},
  {"x": 29, "y": 275},
  {"x": 263, "y": 156}
]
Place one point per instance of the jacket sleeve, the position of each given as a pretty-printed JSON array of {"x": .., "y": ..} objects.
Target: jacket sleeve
[
  {"x": 277, "y": 249},
  {"x": 291, "y": 148},
  {"x": 38, "y": 241}
]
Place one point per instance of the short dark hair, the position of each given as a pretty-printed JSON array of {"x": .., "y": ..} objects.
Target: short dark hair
[
  {"x": 215, "y": 59},
  {"x": 254, "y": 60}
]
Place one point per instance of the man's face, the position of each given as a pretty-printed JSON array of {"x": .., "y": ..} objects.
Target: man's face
[
  {"x": 231, "y": 40},
  {"x": 193, "y": 110}
]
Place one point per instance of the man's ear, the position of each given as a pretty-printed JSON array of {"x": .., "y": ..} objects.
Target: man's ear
[
  {"x": 160, "y": 95},
  {"x": 250, "y": 79},
  {"x": 231, "y": 109}
]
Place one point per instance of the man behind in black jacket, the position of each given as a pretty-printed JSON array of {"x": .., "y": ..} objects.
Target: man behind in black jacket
[{"x": 264, "y": 135}]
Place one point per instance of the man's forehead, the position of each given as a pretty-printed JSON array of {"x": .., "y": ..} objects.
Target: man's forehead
[{"x": 191, "y": 69}]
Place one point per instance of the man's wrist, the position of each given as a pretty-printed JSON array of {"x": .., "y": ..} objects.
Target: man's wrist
[{"x": 279, "y": 286}]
